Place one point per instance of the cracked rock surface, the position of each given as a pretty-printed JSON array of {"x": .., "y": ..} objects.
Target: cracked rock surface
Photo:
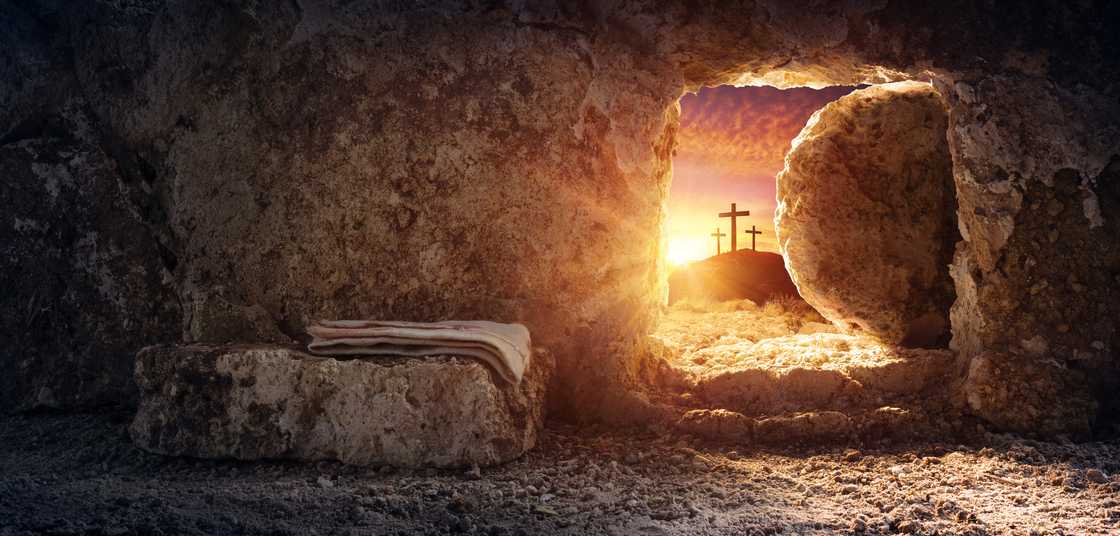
[
  {"x": 286, "y": 161},
  {"x": 270, "y": 402},
  {"x": 866, "y": 215}
]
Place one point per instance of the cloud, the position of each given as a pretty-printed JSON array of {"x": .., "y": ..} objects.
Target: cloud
[
  {"x": 747, "y": 129},
  {"x": 732, "y": 143}
]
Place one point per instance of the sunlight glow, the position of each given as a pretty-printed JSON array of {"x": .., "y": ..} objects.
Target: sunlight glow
[
  {"x": 732, "y": 143},
  {"x": 683, "y": 250}
]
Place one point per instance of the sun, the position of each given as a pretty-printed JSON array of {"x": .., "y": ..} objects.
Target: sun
[{"x": 684, "y": 250}]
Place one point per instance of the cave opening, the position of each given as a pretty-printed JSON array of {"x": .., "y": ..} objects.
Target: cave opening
[{"x": 767, "y": 312}]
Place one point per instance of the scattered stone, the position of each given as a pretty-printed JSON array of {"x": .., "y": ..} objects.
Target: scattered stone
[
  {"x": 908, "y": 527},
  {"x": 804, "y": 428},
  {"x": 716, "y": 424},
  {"x": 474, "y": 473},
  {"x": 1096, "y": 476}
]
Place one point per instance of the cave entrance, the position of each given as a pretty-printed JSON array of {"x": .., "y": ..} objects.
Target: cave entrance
[{"x": 785, "y": 320}]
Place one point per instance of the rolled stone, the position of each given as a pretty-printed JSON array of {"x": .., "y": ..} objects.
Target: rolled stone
[
  {"x": 275, "y": 402},
  {"x": 866, "y": 214}
]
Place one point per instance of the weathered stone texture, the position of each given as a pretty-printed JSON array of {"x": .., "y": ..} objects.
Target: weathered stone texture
[
  {"x": 254, "y": 402},
  {"x": 1029, "y": 396},
  {"x": 866, "y": 215},
  {"x": 82, "y": 278},
  {"x": 1037, "y": 168},
  {"x": 818, "y": 372},
  {"x": 323, "y": 158},
  {"x": 347, "y": 163}
]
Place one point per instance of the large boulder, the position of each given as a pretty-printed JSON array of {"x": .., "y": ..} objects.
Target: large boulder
[
  {"x": 866, "y": 213},
  {"x": 255, "y": 402}
]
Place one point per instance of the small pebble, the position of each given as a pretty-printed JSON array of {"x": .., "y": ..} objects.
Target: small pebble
[
  {"x": 474, "y": 473},
  {"x": 1096, "y": 476}
]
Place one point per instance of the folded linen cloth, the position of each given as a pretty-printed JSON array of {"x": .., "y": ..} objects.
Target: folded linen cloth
[{"x": 504, "y": 347}]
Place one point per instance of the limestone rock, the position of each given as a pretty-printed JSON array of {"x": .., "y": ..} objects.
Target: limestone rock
[
  {"x": 217, "y": 319},
  {"x": 823, "y": 370},
  {"x": 84, "y": 283},
  {"x": 424, "y": 161},
  {"x": 809, "y": 427},
  {"x": 866, "y": 213},
  {"x": 1029, "y": 396},
  {"x": 718, "y": 424},
  {"x": 254, "y": 402}
]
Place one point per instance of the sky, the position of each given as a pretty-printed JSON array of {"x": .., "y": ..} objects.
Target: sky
[{"x": 732, "y": 143}]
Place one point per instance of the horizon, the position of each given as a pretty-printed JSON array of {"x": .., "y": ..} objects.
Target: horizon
[{"x": 732, "y": 143}]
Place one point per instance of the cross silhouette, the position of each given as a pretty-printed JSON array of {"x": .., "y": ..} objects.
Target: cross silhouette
[
  {"x": 733, "y": 214},
  {"x": 718, "y": 234},
  {"x": 754, "y": 234}
]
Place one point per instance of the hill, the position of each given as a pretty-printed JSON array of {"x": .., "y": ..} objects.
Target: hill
[{"x": 755, "y": 275}]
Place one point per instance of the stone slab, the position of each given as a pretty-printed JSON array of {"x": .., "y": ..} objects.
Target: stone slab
[
  {"x": 276, "y": 402},
  {"x": 818, "y": 372}
]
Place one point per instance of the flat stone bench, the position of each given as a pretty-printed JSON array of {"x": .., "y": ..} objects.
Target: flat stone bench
[
  {"x": 275, "y": 402},
  {"x": 821, "y": 371}
]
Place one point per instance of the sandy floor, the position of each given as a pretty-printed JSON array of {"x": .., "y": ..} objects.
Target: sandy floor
[{"x": 80, "y": 475}]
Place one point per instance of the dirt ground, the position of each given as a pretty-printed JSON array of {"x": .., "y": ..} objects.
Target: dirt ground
[{"x": 79, "y": 474}]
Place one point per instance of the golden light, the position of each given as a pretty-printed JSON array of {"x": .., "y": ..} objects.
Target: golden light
[{"x": 683, "y": 250}]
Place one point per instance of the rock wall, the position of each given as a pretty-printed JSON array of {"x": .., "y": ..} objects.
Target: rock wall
[
  {"x": 1036, "y": 169},
  {"x": 85, "y": 280},
  {"x": 284, "y": 161}
]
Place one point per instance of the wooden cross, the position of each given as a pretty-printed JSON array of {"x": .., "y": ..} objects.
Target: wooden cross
[
  {"x": 718, "y": 234},
  {"x": 733, "y": 214},
  {"x": 754, "y": 234}
]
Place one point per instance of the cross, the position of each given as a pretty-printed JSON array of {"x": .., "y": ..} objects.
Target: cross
[
  {"x": 733, "y": 214},
  {"x": 718, "y": 234},
  {"x": 754, "y": 234}
]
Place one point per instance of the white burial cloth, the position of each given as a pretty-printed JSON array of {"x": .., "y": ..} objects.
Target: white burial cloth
[{"x": 504, "y": 347}]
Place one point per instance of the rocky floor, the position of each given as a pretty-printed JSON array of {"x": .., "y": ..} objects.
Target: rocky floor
[
  {"x": 691, "y": 326},
  {"x": 781, "y": 358},
  {"x": 79, "y": 474}
]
